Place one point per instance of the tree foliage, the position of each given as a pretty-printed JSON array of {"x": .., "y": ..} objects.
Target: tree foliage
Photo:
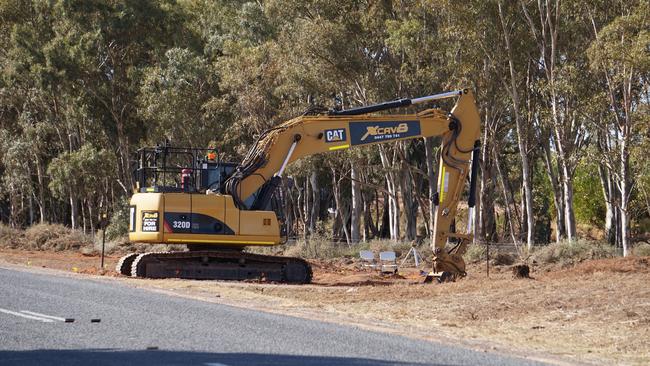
[{"x": 562, "y": 89}]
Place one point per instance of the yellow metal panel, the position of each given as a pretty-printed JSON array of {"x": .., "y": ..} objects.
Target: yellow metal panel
[
  {"x": 253, "y": 223},
  {"x": 223, "y": 240},
  {"x": 146, "y": 203},
  {"x": 176, "y": 202},
  {"x": 211, "y": 205}
]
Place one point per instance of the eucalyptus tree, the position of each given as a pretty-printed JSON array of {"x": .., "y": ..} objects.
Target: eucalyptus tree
[{"x": 621, "y": 54}]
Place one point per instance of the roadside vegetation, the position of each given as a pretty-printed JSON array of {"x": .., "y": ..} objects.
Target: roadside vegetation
[
  {"x": 562, "y": 88},
  {"x": 59, "y": 238}
]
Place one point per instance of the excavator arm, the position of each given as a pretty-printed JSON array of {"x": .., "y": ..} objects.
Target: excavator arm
[{"x": 262, "y": 168}]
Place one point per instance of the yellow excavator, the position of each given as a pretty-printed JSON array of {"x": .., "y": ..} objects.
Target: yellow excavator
[{"x": 187, "y": 196}]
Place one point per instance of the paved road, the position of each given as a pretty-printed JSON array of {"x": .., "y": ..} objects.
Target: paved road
[{"x": 185, "y": 331}]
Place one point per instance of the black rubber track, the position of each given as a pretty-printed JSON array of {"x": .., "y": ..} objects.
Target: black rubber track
[
  {"x": 123, "y": 266},
  {"x": 286, "y": 269}
]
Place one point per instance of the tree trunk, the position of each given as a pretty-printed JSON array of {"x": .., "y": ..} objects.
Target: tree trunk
[
  {"x": 315, "y": 205},
  {"x": 91, "y": 217},
  {"x": 646, "y": 198},
  {"x": 507, "y": 201},
  {"x": 84, "y": 221},
  {"x": 299, "y": 207},
  {"x": 41, "y": 189},
  {"x": 339, "y": 209},
  {"x": 486, "y": 227},
  {"x": 607, "y": 188},
  {"x": 370, "y": 229},
  {"x": 31, "y": 210},
  {"x": 527, "y": 201},
  {"x": 546, "y": 37},
  {"x": 431, "y": 175},
  {"x": 409, "y": 204},
  {"x": 307, "y": 208},
  {"x": 356, "y": 209},
  {"x": 558, "y": 201},
  {"x": 73, "y": 211},
  {"x": 625, "y": 194},
  {"x": 384, "y": 232},
  {"x": 569, "y": 214},
  {"x": 391, "y": 183}
]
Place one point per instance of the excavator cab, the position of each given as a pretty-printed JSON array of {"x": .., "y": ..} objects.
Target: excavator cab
[{"x": 167, "y": 169}]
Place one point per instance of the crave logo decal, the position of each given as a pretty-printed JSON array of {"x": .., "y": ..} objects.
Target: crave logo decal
[
  {"x": 368, "y": 132},
  {"x": 150, "y": 221},
  {"x": 337, "y": 135}
]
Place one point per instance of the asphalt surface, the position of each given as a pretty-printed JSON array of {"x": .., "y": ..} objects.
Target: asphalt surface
[{"x": 140, "y": 327}]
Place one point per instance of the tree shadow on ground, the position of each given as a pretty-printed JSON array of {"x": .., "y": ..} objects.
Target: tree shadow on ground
[{"x": 101, "y": 357}]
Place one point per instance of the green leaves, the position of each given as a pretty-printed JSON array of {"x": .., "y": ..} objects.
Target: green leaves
[
  {"x": 81, "y": 173},
  {"x": 172, "y": 99},
  {"x": 83, "y": 83},
  {"x": 624, "y": 43}
]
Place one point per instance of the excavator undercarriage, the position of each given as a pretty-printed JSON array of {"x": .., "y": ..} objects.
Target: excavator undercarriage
[{"x": 216, "y": 264}]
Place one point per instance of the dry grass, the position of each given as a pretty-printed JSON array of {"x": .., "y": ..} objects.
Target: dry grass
[
  {"x": 50, "y": 237},
  {"x": 56, "y": 238},
  {"x": 642, "y": 250},
  {"x": 317, "y": 247},
  {"x": 475, "y": 253},
  {"x": 9, "y": 236},
  {"x": 571, "y": 252}
]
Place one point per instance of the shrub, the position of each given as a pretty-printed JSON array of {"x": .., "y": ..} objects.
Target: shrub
[
  {"x": 316, "y": 247},
  {"x": 642, "y": 250},
  {"x": 569, "y": 252},
  {"x": 477, "y": 252},
  {"x": 503, "y": 259},
  {"x": 118, "y": 225},
  {"x": 474, "y": 253},
  {"x": 10, "y": 237},
  {"x": 54, "y": 237}
]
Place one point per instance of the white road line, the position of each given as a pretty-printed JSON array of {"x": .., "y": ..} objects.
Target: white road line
[
  {"x": 215, "y": 364},
  {"x": 43, "y": 315},
  {"x": 44, "y": 320}
]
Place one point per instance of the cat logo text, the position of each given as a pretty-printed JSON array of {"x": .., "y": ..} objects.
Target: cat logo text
[{"x": 337, "y": 135}]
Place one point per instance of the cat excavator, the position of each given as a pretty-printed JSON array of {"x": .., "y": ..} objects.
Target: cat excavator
[{"x": 216, "y": 209}]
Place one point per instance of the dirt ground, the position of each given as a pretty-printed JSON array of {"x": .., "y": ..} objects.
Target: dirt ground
[{"x": 597, "y": 312}]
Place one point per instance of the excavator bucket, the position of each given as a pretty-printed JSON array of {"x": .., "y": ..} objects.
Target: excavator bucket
[{"x": 440, "y": 277}]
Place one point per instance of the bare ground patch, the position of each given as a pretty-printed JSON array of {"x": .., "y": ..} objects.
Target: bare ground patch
[{"x": 597, "y": 311}]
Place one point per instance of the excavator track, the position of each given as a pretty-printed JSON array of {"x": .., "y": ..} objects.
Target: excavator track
[
  {"x": 123, "y": 266},
  {"x": 220, "y": 265}
]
